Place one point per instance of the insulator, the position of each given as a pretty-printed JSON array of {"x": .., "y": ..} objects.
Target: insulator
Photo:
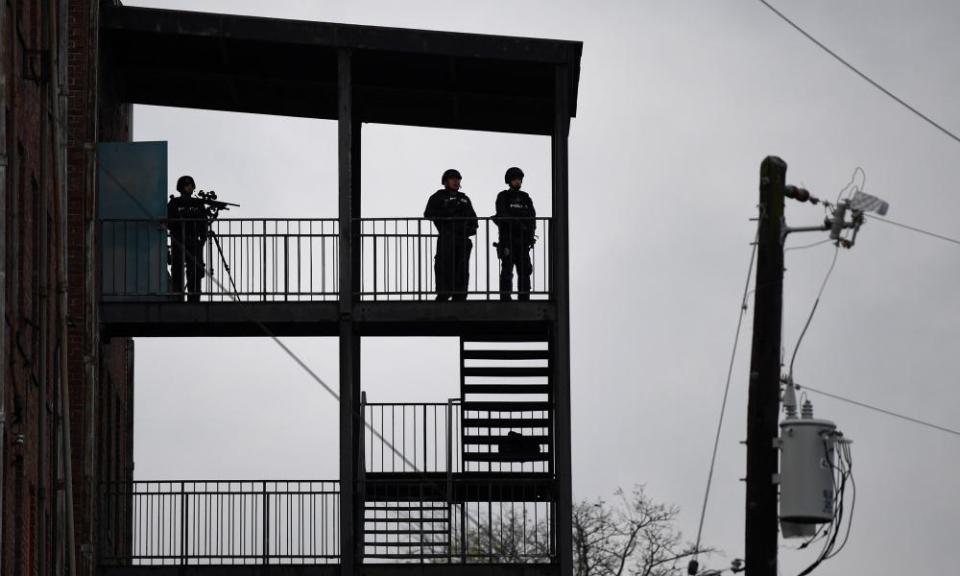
[{"x": 797, "y": 193}]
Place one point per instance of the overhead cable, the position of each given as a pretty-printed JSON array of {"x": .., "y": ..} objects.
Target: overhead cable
[
  {"x": 882, "y": 410},
  {"x": 805, "y": 246},
  {"x": 914, "y": 229},
  {"x": 356, "y": 414},
  {"x": 269, "y": 333},
  {"x": 856, "y": 71},
  {"x": 813, "y": 310},
  {"x": 726, "y": 391}
]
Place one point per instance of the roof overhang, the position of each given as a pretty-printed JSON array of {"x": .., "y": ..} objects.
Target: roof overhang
[{"x": 289, "y": 68}]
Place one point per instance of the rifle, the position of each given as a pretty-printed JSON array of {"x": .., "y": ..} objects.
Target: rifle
[{"x": 214, "y": 206}]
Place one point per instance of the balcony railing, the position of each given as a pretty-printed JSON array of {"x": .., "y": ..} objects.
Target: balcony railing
[
  {"x": 407, "y": 437},
  {"x": 247, "y": 259},
  {"x": 291, "y": 260},
  {"x": 456, "y": 520},
  {"x": 219, "y": 522},
  {"x": 459, "y": 521},
  {"x": 450, "y": 439},
  {"x": 402, "y": 256}
]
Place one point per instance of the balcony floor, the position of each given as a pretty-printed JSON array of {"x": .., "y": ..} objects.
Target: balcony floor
[
  {"x": 463, "y": 487},
  {"x": 474, "y": 318},
  {"x": 434, "y": 569}
]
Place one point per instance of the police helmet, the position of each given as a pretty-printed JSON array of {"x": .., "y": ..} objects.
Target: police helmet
[
  {"x": 512, "y": 174},
  {"x": 183, "y": 181},
  {"x": 451, "y": 173}
]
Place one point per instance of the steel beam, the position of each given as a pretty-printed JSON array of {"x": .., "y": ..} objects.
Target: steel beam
[
  {"x": 426, "y": 318},
  {"x": 349, "y": 340},
  {"x": 187, "y": 319},
  {"x": 561, "y": 340}
]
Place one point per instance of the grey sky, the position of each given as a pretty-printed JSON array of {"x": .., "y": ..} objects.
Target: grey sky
[{"x": 679, "y": 103}]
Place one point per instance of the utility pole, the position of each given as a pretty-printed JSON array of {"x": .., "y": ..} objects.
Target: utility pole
[{"x": 763, "y": 406}]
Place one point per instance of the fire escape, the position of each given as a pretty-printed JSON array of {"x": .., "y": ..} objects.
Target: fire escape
[{"x": 470, "y": 483}]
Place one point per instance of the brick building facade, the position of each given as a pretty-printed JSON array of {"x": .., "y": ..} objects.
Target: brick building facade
[{"x": 51, "y": 354}]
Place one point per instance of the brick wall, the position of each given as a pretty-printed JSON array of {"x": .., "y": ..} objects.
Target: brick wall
[
  {"x": 31, "y": 312},
  {"x": 98, "y": 375}
]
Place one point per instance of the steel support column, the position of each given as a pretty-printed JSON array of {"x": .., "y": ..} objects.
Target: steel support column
[
  {"x": 561, "y": 334},
  {"x": 356, "y": 203},
  {"x": 356, "y": 245},
  {"x": 349, "y": 338}
]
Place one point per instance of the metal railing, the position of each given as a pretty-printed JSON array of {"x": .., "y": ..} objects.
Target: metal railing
[
  {"x": 443, "y": 519},
  {"x": 298, "y": 260},
  {"x": 289, "y": 259},
  {"x": 412, "y": 437},
  {"x": 219, "y": 522},
  {"x": 459, "y": 520},
  {"x": 504, "y": 523},
  {"x": 399, "y": 257},
  {"x": 451, "y": 438}
]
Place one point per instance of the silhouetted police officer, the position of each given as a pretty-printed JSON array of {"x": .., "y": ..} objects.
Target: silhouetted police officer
[
  {"x": 187, "y": 226},
  {"x": 517, "y": 224},
  {"x": 452, "y": 213}
]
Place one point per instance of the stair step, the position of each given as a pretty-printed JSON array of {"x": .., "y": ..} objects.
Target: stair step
[
  {"x": 373, "y": 507},
  {"x": 438, "y": 551},
  {"x": 497, "y": 439},
  {"x": 387, "y": 543},
  {"x": 507, "y": 423},
  {"x": 507, "y": 371},
  {"x": 497, "y": 457},
  {"x": 411, "y": 515},
  {"x": 506, "y": 355},
  {"x": 506, "y": 389},
  {"x": 512, "y": 337},
  {"x": 406, "y": 532},
  {"x": 427, "y": 556},
  {"x": 411, "y": 519},
  {"x": 412, "y": 508},
  {"x": 506, "y": 406}
]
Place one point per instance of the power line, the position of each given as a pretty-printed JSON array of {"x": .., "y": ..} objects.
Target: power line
[
  {"x": 805, "y": 246},
  {"x": 726, "y": 391},
  {"x": 882, "y": 410},
  {"x": 293, "y": 355},
  {"x": 266, "y": 331},
  {"x": 856, "y": 71},
  {"x": 813, "y": 310},
  {"x": 915, "y": 229}
]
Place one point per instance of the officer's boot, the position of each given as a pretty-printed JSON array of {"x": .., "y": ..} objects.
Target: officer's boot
[{"x": 506, "y": 277}]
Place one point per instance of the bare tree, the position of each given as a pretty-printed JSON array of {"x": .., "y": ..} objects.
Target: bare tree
[
  {"x": 512, "y": 538},
  {"x": 632, "y": 536},
  {"x": 629, "y": 536}
]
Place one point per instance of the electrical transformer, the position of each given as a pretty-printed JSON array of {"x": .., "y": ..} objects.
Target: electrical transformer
[{"x": 807, "y": 470}]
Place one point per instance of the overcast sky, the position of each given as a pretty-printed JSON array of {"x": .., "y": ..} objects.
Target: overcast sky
[{"x": 679, "y": 103}]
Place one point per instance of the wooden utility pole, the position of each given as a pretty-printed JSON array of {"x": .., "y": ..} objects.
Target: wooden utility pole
[{"x": 763, "y": 407}]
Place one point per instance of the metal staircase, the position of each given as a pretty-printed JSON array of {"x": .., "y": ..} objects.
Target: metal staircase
[
  {"x": 507, "y": 403},
  {"x": 413, "y": 530}
]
